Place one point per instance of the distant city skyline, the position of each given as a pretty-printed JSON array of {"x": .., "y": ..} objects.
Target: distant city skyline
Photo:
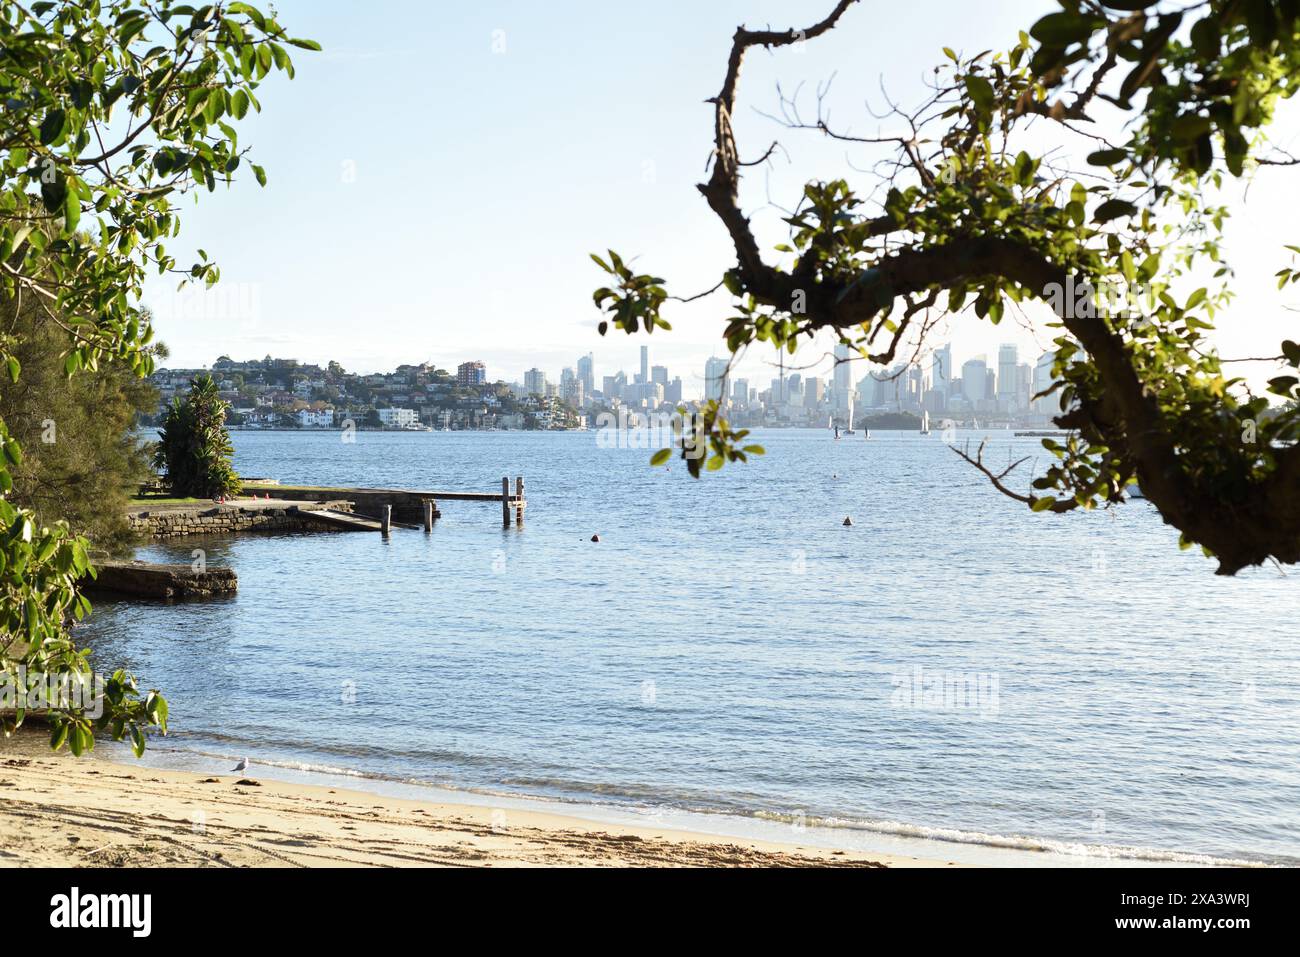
[
  {"x": 273, "y": 389},
  {"x": 324, "y": 263}
]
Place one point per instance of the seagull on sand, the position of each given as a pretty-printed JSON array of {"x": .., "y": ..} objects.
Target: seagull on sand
[{"x": 241, "y": 767}]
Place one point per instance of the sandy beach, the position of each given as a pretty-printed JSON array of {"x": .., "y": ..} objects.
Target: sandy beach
[{"x": 90, "y": 812}]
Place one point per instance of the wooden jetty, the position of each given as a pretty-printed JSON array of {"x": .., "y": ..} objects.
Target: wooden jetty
[{"x": 405, "y": 507}]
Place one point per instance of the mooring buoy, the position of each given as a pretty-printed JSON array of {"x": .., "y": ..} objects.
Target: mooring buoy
[{"x": 847, "y": 521}]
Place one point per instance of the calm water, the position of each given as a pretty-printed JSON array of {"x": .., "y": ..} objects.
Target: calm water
[{"x": 730, "y": 647}]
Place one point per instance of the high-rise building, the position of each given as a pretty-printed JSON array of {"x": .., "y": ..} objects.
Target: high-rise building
[
  {"x": 740, "y": 392},
  {"x": 535, "y": 382},
  {"x": 1008, "y": 360},
  {"x": 776, "y": 392},
  {"x": 715, "y": 375},
  {"x": 813, "y": 392},
  {"x": 659, "y": 374},
  {"x": 867, "y": 389},
  {"x": 645, "y": 364},
  {"x": 673, "y": 392},
  {"x": 471, "y": 374},
  {"x": 1048, "y": 404},
  {"x": 941, "y": 370},
  {"x": 571, "y": 390},
  {"x": 587, "y": 373},
  {"x": 914, "y": 394},
  {"x": 974, "y": 379}
]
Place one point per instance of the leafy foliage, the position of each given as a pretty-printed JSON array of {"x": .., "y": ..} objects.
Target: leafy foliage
[
  {"x": 969, "y": 220},
  {"x": 112, "y": 111},
  {"x": 80, "y": 461},
  {"x": 194, "y": 448},
  {"x": 634, "y": 303}
]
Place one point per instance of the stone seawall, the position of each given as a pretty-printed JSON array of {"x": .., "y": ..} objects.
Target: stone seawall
[
  {"x": 149, "y": 580},
  {"x": 171, "y": 521}
]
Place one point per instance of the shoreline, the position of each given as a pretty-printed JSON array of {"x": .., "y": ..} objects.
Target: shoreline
[
  {"x": 100, "y": 812},
  {"x": 293, "y": 807},
  {"x": 928, "y": 846}
]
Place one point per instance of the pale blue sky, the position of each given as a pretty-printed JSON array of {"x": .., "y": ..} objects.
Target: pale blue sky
[{"x": 440, "y": 172}]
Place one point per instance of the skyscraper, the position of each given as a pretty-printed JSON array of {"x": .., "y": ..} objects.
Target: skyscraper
[
  {"x": 941, "y": 370},
  {"x": 612, "y": 386},
  {"x": 776, "y": 392},
  {"x": 1008, "y": 359},
  {"x": 1047, "y": 405},
  {"x": 535, "y": 382},
  {"x": 645, "y": 364},
  {"x": 812, "y": 392},
  {"x": 715, "y": 374},
  {"x": 587, "y": 373},
  {"x": 740, "y": 392},
  {"x": 974, "y": 379}
]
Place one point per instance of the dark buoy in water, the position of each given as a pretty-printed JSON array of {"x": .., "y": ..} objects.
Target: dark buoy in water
[
  {"x": 847, "y": 521},
  {"x": 595, "y": 538}
]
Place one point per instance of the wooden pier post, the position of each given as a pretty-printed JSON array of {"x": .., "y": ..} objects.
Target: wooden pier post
[
  {"x": 428, "y": 515},
  {"x": 519, "y": 501},
  {"x": 505, "y": 501},
  {"x": 386, "y": 523}
]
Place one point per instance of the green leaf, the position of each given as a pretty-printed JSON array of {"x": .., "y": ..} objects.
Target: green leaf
[
  {"x": 1107, "y": 157},
  {"x": 1043, "y": 504},
  {"x": 71, "y": 212},
  {"x": 981, "y": 93},
  {"x": 1062, "y": 29},
  {"x": 1283, "y": 385},
  {"x": 52, "y": 127},
  {"x": 1113, "y": 209},
  {"x": 662, "y": 456}
]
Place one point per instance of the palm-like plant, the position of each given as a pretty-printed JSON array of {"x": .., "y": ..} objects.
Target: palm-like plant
[{"x": 194, "y": 449}]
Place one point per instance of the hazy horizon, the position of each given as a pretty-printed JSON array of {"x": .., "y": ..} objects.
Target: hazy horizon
[{"x": 462, "y": 231}]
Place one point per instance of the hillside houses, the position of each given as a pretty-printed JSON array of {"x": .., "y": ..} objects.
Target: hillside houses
[{"x": 273, "y": 393}]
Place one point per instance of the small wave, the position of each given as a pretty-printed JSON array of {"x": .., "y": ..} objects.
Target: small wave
[
  {"x": 1016, "y": 842},
  {"x": 648, "y": 799}
]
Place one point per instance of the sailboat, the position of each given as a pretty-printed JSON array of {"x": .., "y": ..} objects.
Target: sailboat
[{"x": 925, "y": 422}]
